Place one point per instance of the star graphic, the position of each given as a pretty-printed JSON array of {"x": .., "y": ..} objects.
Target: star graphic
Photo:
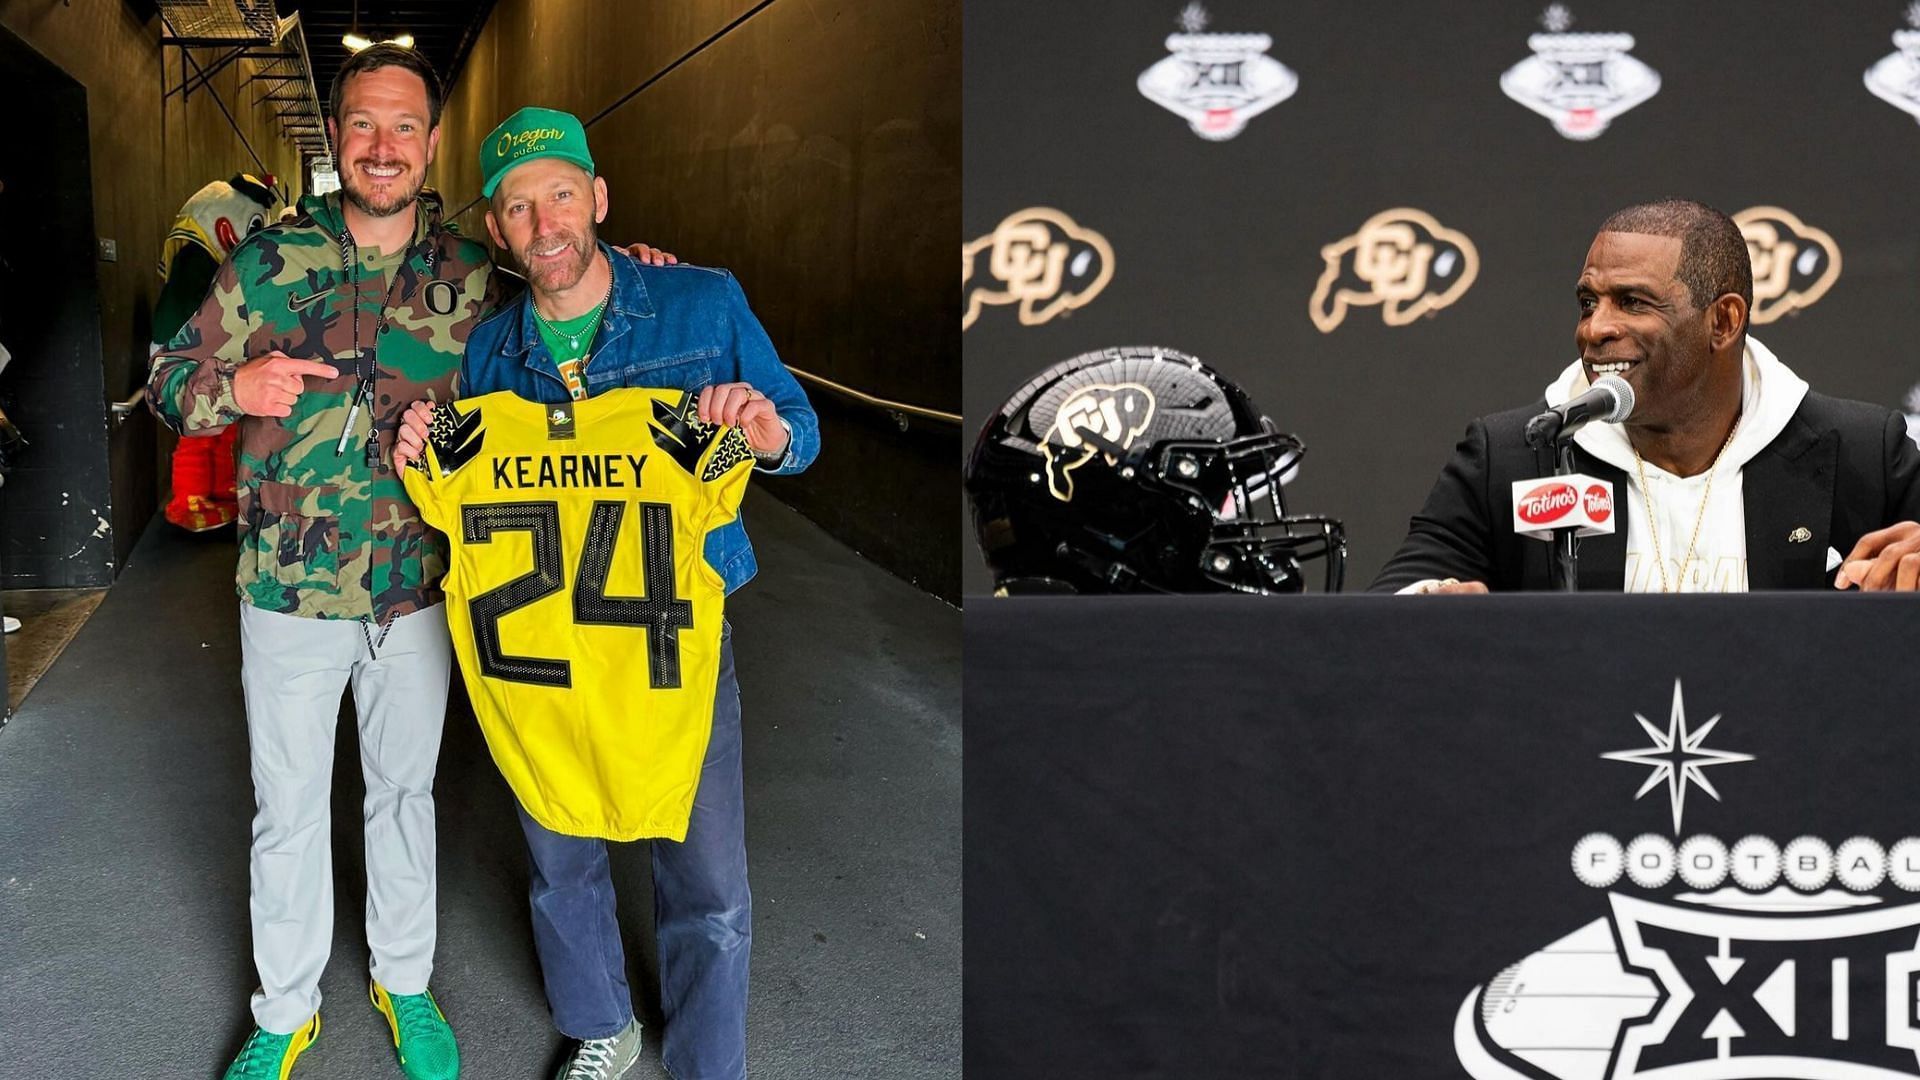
[{"x": 1676, "y": 757}]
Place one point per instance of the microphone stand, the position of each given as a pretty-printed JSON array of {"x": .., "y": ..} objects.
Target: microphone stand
[
  {"x": 1556, "y": 426},
  {"x": 1566, "y": 543},
  {"x": 1544, "y": 430}
]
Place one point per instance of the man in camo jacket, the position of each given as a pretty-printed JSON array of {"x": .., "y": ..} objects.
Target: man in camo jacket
[
  {"x": 315, "y": 334},
  {"x": 314, "y": 337}
]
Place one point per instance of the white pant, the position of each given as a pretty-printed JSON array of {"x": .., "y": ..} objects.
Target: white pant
[{"x": 292, "y": 671}]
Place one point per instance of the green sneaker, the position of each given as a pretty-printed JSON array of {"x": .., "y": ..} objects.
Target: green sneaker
[
  {"x": 267, "y": 1056},
  {"x": 422, "y": 1038}
]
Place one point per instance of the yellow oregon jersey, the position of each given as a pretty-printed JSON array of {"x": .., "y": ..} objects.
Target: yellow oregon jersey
[{"x": 584, "y": 613}]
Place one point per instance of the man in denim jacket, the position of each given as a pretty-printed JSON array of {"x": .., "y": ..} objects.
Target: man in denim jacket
[{"x": 594, "y": 318}]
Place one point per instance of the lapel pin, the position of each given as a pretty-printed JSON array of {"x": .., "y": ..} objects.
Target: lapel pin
[{"x": 1799, "y": 536}]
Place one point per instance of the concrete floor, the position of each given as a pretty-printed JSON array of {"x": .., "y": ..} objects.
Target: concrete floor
[{"x": 125, "y": 807}]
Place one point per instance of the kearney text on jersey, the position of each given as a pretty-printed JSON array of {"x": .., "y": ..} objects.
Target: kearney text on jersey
[{"x": 567, "y": 470}]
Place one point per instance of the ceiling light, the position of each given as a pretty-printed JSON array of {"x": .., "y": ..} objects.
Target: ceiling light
[{"x": 357, "y": 42}]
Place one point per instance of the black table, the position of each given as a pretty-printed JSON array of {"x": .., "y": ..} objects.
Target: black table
[{"x": 1335, "y": 837}]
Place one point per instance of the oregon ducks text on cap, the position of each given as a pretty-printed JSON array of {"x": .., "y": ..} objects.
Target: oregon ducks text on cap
[{"x": 531, "y": 133}]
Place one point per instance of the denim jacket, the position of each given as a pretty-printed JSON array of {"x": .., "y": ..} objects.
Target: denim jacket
[{"x": 665, "y": 327}]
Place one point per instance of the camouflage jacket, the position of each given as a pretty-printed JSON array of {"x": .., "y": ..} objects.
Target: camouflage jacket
[{"x": 325, "y": 534}]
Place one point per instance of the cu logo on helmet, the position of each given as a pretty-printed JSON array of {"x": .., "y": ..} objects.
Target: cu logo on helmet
[{"x": 1114, "y": 414}]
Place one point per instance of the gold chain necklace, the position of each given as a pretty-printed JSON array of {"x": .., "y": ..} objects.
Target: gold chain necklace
[{"x": 1653, "y": 528}]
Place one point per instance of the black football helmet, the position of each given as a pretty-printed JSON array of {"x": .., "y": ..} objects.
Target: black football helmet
[{"x": 1141, "y": 469}]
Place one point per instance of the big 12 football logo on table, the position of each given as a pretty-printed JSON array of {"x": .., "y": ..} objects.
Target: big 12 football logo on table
[{"x": 1710, "y": 961}]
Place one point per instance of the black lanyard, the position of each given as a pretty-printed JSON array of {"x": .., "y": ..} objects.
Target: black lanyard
[{"x": 365, "y": 369}]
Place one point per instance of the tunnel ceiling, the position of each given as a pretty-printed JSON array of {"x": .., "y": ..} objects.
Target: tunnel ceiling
[{"x": 443, "y": 30}]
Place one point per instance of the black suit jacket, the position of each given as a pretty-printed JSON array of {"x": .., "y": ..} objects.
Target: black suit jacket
[{"x": 1839, "y": 470}]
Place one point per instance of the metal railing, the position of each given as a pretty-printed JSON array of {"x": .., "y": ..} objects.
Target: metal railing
[
  {"x": 276, "y": 47},
  {"x": 900, "y": 411},
  {"x": 123, "y": 409}
]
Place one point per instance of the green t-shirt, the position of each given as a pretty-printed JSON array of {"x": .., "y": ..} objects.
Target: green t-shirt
[
  {"x": 567, "y": 356},
  {"x": 375, "y": 261}
]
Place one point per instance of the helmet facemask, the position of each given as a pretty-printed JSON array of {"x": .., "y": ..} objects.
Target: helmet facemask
[{"x": 1254, "y": 545}]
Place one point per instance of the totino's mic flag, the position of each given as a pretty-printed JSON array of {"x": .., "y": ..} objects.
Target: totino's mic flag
[{"x": 1551, "y": 504}]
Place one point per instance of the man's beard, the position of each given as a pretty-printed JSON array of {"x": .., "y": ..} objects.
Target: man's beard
[
  {"x": 558, "y": 277},
  {"x": 396, "y": 200}
]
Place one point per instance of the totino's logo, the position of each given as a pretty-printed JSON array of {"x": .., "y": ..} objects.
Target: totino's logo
[
  {"x": 1216, "y": 82},
  {"x": 1794, "y": 264},
  {"x": 1895, "y": 78},
  {"x": 1579, "y": 81},
  {"x": 1710, "y": 961},
  {"x": 1549, "y": 503},
  {"x": 1039, "y": 259},
  {"x": 1098, "y": 419},
  {"x": 1599, "y": 502},
  {"x": 1402, "y": 260}
]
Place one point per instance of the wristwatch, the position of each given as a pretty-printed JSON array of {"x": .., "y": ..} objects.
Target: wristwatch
[
  {"x": 224, "y": 370},
  {"x": 775, "y": 458}
]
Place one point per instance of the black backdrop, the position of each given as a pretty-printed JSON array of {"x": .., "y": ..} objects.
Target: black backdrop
[{"x": 1216, "y": 244}]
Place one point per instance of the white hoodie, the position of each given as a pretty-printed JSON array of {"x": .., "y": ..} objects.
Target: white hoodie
[{"x": 1769, "y": 395}]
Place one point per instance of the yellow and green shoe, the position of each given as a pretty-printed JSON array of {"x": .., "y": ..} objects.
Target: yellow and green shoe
[
  {"x": 422, "y": 1038},
  {"x": 267, "y": 1056}
]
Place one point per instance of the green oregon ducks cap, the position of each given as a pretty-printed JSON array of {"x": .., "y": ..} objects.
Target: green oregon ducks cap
[{"x": 531, "y": 133}]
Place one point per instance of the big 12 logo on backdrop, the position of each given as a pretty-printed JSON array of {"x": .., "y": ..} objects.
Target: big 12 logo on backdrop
[
  {"x": 1581, "y": 82},
  {"x": 1895, "y": 78},
  {"x": 1216, "y": 82}
]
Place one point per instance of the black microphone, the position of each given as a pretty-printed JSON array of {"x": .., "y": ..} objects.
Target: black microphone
[{"x": 1610, "y": 401}]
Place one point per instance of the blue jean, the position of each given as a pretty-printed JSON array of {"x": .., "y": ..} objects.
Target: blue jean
[{"x": 702, "y": 914}]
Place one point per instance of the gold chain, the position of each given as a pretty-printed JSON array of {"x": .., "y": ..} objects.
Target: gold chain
[{"x": 1653, "y": 526}]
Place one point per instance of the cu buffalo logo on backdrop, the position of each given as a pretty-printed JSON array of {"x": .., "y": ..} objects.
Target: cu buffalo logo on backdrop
[
  {"x": 1038, "y": 259},
  {"x": 1402, "y": 260},
  {"x": 1581, "y": 82},
  {"x": 1751, "y": 961},
  {"x": 1096, "y": 419},
  {"x": 1216, "y": 82},
  {"x": 1794, "y": 264},
  {"x": 1895, "y": 78}
]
